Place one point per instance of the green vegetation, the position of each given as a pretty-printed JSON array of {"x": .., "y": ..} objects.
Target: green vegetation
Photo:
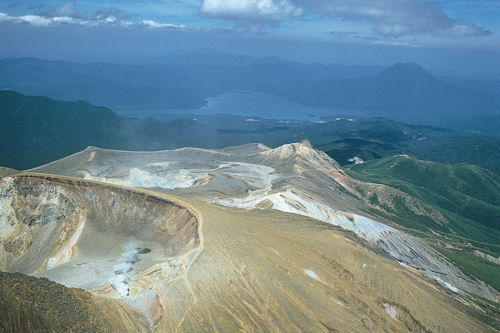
[
  {"x": 467, "y": 195},
  {"x": 474, "y": 266},
  {"x": 37, "y": 130},
  {"x": 410, "y": 219},
  {"x": 462, "y": 189},
  {"x": 458, "y": 148},
  {"x": 343, "y": 150},
  {"x": 375, "y": 138}
]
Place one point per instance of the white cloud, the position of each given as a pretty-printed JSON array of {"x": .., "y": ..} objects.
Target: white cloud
[
  {"x": 396, "y": 17},
  {"x": 156, "y": 25},
  {"x": 67, "y": 14},
  {"x": 66, "y": 10},
  {"x": 40, "y": 21},
  {"x": 463, "y": 30},
  {"x": 113, "y": 12},
  {"x": 389, "y": 18},
  {"x": 394, "y": 43},
  {"x": 257, "y": 11}
]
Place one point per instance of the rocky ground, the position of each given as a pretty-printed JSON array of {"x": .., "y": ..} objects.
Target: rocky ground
[{"x": 241, "y": 239}]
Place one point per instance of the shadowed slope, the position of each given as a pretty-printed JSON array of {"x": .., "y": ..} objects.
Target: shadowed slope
[{"x": 31, "y": 304}]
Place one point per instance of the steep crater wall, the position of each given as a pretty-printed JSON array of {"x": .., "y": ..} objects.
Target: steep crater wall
[{"x": 42, "y": 218}]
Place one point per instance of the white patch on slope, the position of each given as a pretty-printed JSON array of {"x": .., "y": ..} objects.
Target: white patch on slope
[
  {"x": 66, "y": 252},
  {"x": 6, "y": 210},
  {"x": 91, "y": 156},
  {"x": 122, "y": 268},
  {"x": 162, "y": 175},
  {"x": 291, "y": 202},
  {"x": 257, "y": 176},
  {"x": 137, "y": 177},
  {"x": 356, "y": 160},
  {"x": 391, "y": 310},
  {"x": 311, "y": 274},
  {"x": 263, "y": 147},
  {"x": 447, "y": 285}
]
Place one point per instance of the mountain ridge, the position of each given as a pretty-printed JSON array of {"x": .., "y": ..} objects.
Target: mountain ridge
[
  {"x": 469, "y": 190},
  {"x": 69, "y": 127},
  {"x": 137, "y": 86},
  {"x": 405, "y": 70}
]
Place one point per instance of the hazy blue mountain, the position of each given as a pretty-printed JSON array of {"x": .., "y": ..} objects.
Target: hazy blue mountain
[
  {"x": 193, "y": 78},
  {"x": 484, "y": 85},
  {"x": 116, "y": 86},
  {"x": 404, "y": 90},
  {"x": 182, "y": 83}
]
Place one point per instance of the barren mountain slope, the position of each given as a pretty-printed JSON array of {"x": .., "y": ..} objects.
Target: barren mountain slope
[
  {"x": 248, "y": 238},
  {"x": 293, "y": 178},
  {"x": 257, "y": 269}
]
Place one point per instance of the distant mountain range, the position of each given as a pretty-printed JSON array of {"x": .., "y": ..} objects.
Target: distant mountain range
[
  {"x": 404, "y": 92},
  {"x": 184, "y": 83},
  {"x": 40, "y": 129},
  {"x": 37, "y": 130}
]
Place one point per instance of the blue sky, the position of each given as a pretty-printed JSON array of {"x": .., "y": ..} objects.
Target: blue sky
[{"x": 459, "y": 35}]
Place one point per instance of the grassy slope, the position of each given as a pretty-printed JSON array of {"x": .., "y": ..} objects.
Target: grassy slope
[
  {"x": 467, "y": 195},
  {"x": 462, "y": 189},
  {"x": 458, "y": 148},
  {"x": 372, "y": 137},
  {"x": 36, "y": 130},
  {"x": 474, "y": 266}
]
